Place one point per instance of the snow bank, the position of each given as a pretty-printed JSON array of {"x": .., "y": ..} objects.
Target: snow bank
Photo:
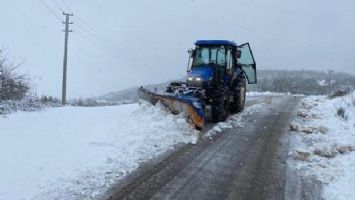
[
  {"x": 7, "y": 107},
  {"x": 77, "y": 153},
  {"x": 264, "y": 93},
  {"x": 328, "y": 138},
  {"x": 268, "y": 93}
]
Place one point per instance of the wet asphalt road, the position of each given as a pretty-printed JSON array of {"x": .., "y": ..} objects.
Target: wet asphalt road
[{"x": 246, "y": 162}]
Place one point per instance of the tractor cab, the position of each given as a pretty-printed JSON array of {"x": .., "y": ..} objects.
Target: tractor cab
[{"x": 217, "y": 60}]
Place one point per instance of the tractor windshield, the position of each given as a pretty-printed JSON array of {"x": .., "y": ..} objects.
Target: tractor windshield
[{"x": 209, "y": 55}]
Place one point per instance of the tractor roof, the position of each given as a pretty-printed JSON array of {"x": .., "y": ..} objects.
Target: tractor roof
[{"x": 215, "y": 42}]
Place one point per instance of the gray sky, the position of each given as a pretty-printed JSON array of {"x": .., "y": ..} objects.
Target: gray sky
[{"x": 153, "y": 37}]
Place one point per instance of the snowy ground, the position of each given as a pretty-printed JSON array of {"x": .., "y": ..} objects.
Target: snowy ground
[
  {"x": 324, "y": 144},
  {"x": 251, "y": 94},
  {"x": 77, "y": 153},
  {"x": 7, "y": 107}
]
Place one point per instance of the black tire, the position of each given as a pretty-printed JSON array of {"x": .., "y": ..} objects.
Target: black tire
[
  {"x": 239, "y": 96},
  {"x": 219, "y": 104}
]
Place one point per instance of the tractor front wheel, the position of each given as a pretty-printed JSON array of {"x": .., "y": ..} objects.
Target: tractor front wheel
[{"x": 219, "y": 104}]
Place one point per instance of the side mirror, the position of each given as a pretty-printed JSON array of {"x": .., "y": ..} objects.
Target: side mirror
[
  {"x": 238, "y": 53},
  {"x": 192, "y": 53}
]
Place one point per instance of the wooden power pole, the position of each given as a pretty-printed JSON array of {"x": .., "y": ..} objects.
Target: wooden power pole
[
  {"x": 65, "y": 60},
  {"x": 330, "y": 82}
]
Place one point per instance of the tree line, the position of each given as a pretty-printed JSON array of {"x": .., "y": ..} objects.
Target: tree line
[{"x": 307, "y": 82}]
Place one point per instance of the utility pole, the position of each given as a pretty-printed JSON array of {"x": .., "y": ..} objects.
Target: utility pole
[
  {"x": 65, "y": 60},
  {"x": 330, "y": 81}
]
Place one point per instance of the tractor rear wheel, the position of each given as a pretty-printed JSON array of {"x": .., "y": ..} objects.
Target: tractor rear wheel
[
  {"x": 219, "y": 104},
  {"x": 239, "y": 96}
]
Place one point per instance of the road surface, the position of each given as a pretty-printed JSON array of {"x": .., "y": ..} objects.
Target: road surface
[{"x": 248, "y": 162}]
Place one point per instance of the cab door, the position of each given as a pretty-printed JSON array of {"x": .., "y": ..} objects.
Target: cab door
[{"x": 247, "y": 62}]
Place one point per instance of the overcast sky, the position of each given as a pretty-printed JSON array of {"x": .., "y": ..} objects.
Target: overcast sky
[{"x": 147, "y": 41}]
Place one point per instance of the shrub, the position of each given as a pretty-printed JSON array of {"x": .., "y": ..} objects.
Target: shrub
[
  {"x": 341, "y": 113},
  {"x": 50, "y": 100},
  {"x": 339, "y": 93},
  {"x": 13, "y": 86}
]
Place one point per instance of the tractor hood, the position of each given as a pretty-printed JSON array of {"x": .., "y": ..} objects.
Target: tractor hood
[{"x": 204, "y": 72}]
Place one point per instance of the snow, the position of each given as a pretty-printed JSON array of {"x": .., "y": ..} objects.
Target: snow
[
  {"x": 78, "y": 153},
  {"x": 7, "y": 107},
  {"x": 323, "y": 83},
  {"x": 250, "y": 94},
  {"x": 343, "y": 187},
  {"x": 329, "y": 139},
  {"x": 268, "y": 93},
  {"x": 233, "y": 121}
]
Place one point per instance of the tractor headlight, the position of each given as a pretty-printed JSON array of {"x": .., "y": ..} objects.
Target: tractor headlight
[
  {"x": 199, "y": 79},
  {"x": 195, "y": 81}
]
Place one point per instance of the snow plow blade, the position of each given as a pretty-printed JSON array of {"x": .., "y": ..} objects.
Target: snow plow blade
[{"x": 190, "y": 106}]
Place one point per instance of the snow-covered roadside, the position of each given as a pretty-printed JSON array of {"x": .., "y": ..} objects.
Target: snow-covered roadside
[
  {"x": 250, "y": 94},
  {"x": 7, "y": 107},
  {"x": 77, "y": 153},
  {"x": 324, "y": 143}
]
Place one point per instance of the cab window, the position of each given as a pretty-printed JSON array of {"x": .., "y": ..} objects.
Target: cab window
[{"x": 210, "y": 55}]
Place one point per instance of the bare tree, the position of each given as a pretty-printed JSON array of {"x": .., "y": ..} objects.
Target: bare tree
[{"x": 13, "y": 86}]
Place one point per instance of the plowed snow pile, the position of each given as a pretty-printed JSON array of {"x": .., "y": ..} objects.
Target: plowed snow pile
[
  {"x": 325, "y": 147},
  {"x": 77, "y": 153}
]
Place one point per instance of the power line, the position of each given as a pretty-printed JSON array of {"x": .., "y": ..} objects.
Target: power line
[
  {"x": 66, "y": 5},
  {"x": 108, "y": 42},
  {"x": 50, "y": 10},
  {"x": 103, "y": 38},
  {"x": 105, "y": 43},
  {"x": 57, "y": 5},
  {"x": 133, "y": 63},
  {"x": 89, "y": 40},
  {"x": 98, "y": 35},
  {"x": 101, "y": 41},
  {"x": 94, "y": 41}
]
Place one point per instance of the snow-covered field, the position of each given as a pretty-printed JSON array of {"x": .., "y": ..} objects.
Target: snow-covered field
[
  {"x": 324, "y": 143},
  {"x": 77, "y": 153}
]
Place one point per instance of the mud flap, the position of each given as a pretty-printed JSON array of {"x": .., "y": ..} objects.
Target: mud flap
[{"x": 190, "y": 106}]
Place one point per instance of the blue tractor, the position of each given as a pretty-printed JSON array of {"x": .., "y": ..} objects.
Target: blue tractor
[{"x": 217, "y": 73}]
